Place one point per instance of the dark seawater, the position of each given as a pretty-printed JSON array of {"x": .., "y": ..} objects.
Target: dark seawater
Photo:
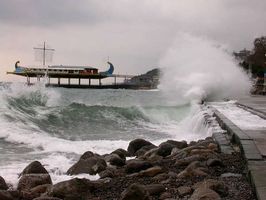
[{"x": 56, "y": 125}]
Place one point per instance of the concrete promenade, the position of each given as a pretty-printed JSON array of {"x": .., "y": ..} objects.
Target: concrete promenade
[{"x": 251, "y": 142}]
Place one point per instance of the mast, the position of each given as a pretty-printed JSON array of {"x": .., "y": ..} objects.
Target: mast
[{"x": 43, "y": 49}]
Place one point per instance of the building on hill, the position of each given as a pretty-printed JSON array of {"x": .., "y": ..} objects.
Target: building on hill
[{"x": 149, "y": 80}]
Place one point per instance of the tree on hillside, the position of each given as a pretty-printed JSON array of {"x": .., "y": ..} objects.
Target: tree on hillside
[{"x": 255, "y": 59}]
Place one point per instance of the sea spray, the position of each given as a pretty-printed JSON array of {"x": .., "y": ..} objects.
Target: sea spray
[{"x": 195, "y": 68}]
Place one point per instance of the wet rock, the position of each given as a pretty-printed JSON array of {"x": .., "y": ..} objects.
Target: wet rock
[
  {"x": 184, "y": 190},
  {"x": 3, "y": 185},
  {"x": 160, "y": 177},
  {"x": 137, "y": 144},
  {"x": 86, "y": 155},
  {"x": 211, "y": 162},
  {"x": 165, "y": 195},
  {"x": 192, "y": 170},
  {"x": 116, "y": 160},
  {"x": 135, "y": 192},
  {"x": 226, "y": 175},
  {"x": 216, "y": 185},
  {"x": 34, "y": 168},
  {"x": 165, "y": 149},
  {"x": 213, "y": 147},
  {"x": 47, "y": 198},
  {"x": 137, "y": 165},
  {"x": 39, "y": 190},
  {"x": 72, "y": 189},
  {"x": 178, "y": 144},
  {"x": 143, "y": 150},
  {"x": 29, "y": 181},
  {"x": 151, "y": 172},
  {"x": 205, "y": 193},
  {"x": 200, "y": 151},
  {"x": 155, "y": 189},
  {"x": 5, "y": 195},
  {"x": 121, "y": 152},
  {"x": 91, "y": 165},
  {"x": 187, "y": 160},
  {"x": 109, "y": 172}
]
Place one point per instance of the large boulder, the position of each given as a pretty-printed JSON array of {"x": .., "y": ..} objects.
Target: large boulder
[
  {"x": 135, "y": 192},
  {"x": 3, "y": 185},
  {"x": 5, "y": 195},
  {"x": 29, "y": 181},
  {"x": 72, "y": 189},
  {"x": 205, "y": 193},
  {"x": 39, "y": 190},
  {"x": 165, "y": 149},
  {"x": 91, "y": 165},
  {"x": 133, "y": 166},
  {"x": 34, "y": 168},
  {"x": 121, "y": 152},
  {"x": 137, "y": 144},
  {"x": 116, "y": 160},
  {"x": 178, "y": 144},
  {"x": 216, "y": 185},
  {"x": 86, "y": 155}
]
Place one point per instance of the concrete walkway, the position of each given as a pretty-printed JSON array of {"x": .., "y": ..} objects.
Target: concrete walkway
[{"x": 252, "y": 142}]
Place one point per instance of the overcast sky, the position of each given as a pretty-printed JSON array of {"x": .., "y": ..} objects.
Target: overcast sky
[{"x": 134, "y": 34}]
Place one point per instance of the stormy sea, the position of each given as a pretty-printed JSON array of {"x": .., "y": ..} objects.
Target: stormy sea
[{"x": 56, "y": 125}]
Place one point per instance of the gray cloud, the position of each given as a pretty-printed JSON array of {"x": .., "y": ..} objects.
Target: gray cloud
[{"x": 133, "y": 33}]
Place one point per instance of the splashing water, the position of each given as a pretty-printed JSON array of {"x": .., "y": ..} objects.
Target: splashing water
[{"x": 198, "y": 69}]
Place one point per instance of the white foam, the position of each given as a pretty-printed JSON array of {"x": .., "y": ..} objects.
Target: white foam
[
  {"x": 242, "y": 118},
  {"x": 197, "y": 68}
]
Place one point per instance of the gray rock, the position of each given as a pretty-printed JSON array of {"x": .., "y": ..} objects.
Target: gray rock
[
  {"x": 47, "y": 198},
  {"x": 109, "y": 172},
  {"x": 155, "y": 189},
  {"x": 205, "y": 193},
  {"x": 151, "y": 172},
  {"x": 216, "y": 185},
  {"x": 39, "y": 190},
  {"x": 121, "y": 152},
  {"x": 86, "y": 155},
  {"x": 116, "y": 160},
  {"x": 178, "y": 144},
  {"x": 91, "y": 165},
  {"x": 135, "y": 192},
  {"x": 3, "y": 185},
  {"x": 34, "y": 168},
  {"x": 137, "y": 165},
  {"x": 5, "y": 195},
  {"x": 226, "y": 175},
  {"x": 211, "y": 162},
  {"x": 165, "y": 149},
  {"x": 184, "y": 190},
  {"x": 29, "y": 181},
  {"x": 144, "y": 149},
  {"x": 137, "y": 144},
  {"x": 72, "y": 189}
]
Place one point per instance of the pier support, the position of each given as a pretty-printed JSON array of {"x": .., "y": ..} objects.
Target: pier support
[
  {"x": 89, "y": 81},
  {"x": 68, "y": 81},
  {"x": 58, "y": 81},
  {"x": 100, "y": 82},
  {"x": 79, "y": 81},
  {"x": 28, "y": 80}
]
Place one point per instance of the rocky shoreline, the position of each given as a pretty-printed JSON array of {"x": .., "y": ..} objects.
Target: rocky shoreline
[{"x": 173, "y": 170}]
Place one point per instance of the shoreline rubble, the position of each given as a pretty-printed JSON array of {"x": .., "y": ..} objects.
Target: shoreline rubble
[{"x": 172, "y": 170}]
